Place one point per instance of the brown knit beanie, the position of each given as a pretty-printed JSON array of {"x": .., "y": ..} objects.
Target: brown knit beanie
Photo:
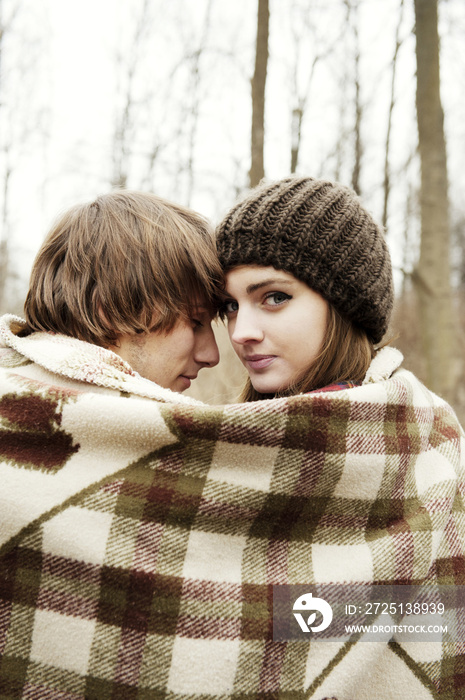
[{"x": 319, "y": 232}]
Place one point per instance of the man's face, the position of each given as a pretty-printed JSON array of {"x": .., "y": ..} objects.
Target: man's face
[{"x": 172, "y": 359}]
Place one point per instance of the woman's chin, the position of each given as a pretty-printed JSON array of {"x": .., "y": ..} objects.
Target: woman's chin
[
  {"x": 269, "y": 387},
  {"x": 284, "y": 385}
]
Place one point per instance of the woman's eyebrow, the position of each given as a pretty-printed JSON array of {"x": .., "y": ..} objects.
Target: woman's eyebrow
[{"x": 274, "y": 280}]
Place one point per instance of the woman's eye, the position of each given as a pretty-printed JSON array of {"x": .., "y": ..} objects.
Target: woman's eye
[
  {"x": 230, "y": 307},
  {"x": 277, "y": 298}
]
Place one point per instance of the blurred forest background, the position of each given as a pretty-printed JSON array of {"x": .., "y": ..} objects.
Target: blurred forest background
[{"x": 197, "y": 100}]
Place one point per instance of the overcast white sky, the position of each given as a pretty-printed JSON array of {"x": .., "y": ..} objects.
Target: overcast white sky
[{"x": 72, "y": 81}]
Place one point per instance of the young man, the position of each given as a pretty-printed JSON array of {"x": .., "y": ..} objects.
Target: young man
[
  {"x": 135, "y": 274},
  {"x": 118, "y": 321}
]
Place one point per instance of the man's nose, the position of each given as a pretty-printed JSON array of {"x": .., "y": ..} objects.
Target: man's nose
[{"x": 207, "y": 352}]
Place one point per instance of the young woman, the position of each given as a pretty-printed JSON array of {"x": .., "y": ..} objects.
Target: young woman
[
  {"x": 352, "y": 471},
  {"x": 308, "y": 284}
]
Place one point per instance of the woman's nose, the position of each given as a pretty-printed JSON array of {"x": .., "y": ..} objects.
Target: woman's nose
[{"x": 244, "y": 328}]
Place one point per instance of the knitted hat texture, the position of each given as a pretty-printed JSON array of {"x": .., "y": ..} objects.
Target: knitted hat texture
[{"x": 320, "y": 232}]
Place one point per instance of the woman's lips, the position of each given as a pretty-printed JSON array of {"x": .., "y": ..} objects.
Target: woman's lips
[{"x": 259, "y": 361}]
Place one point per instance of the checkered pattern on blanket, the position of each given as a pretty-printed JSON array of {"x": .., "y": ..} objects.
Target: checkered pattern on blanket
[{"x": 139, "y": 553}]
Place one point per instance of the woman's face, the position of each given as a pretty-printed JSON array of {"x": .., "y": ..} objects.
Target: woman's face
[{"x": 276, "y": 324}]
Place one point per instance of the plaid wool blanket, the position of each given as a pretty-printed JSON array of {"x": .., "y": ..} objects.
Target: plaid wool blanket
[{"x": 143, "y": 534}]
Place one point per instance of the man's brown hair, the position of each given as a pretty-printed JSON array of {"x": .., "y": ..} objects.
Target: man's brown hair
[{"x": 108, "y": 266}]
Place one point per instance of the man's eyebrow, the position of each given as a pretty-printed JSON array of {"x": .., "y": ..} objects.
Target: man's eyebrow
[
  {"x": 273, "y": 280},
  {"x": 201, "y": 309}
]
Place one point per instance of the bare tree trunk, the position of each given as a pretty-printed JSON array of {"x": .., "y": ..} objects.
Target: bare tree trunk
[
  {"x": 309, "y": 46},
  {"x": 296, "y": 135},
  {"x": 432, "y": 276},
  {"x": 341, "y": 131},
  {"x": 358, "y": 149},
  {"x": 407, "y": 242},
  {"x": 298, "y": 114},
  {"x": 257, "y": 170},
  {"x": 195, "y": 106},
  {"x": 4, "y": 252},
  {"x": 4, "y": 237},
  {"x": 387, "y": 174},
  {"x": 352, "y": 18},
  {"x": 125, "y": 119},
  {"x": 19, "y": 119}
]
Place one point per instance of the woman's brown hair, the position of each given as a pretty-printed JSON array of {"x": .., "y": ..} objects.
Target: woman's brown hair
[
  {"x": 345, "y": 355},
  {"x": 111, "y": 266}
]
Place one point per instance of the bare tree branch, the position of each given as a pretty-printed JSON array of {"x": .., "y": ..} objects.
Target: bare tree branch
[{"x": 387, "y": 179}]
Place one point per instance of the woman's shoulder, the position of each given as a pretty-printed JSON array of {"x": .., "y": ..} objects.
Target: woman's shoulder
[{"x": 386, "y": 361}]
